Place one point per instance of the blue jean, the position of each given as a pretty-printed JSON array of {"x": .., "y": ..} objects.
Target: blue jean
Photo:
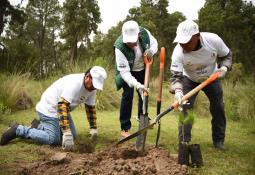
[
  {"x": 48, "y": 132},
  {"x": 214, "y": 93},
  {"x": 127, "y": 101}
]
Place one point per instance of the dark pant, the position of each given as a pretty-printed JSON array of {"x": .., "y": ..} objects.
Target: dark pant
[
  {"x": 127, "y": 101},
  {"x": 215, "y": 95}
]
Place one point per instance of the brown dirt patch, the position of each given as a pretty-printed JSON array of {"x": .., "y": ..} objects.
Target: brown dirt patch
[{"x": 110, "y": 161}]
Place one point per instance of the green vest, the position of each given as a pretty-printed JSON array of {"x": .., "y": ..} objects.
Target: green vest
[{"x": 129, "y": 53}]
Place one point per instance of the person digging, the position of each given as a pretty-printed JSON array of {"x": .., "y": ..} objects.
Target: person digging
[{"x": 197, "y": 56}]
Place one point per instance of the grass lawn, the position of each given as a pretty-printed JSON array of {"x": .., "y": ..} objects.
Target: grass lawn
[{"x": 240, "y": 141}]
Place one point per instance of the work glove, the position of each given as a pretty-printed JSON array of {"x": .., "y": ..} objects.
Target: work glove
[
  {"x": 178, "y": 96},
  {"x": 149, "y": 53},
  {"x": 140, "y": 88},
  {"x": 93, "y": 133},
  {"x": 67, "y": 141},
  {"x": 223, "y": 70}
]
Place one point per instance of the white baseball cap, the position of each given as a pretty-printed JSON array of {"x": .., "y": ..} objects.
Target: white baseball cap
[
  {"x": 185, "y": 31},
  {"x": 98, "y": 75},
  {"x": 130, "y": 31}
]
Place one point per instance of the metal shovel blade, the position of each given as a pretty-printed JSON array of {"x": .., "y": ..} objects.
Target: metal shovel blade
[{"x": 140, "y": 142}]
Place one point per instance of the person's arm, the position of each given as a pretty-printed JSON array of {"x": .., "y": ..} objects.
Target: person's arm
[
  {"x": 176, "y": 70},
  {"x": 224, "y": 54},
  {"x": 91, "y": 115},
  {"x": 175, "y": 81},
  {"x": 224, "y": 57},
  {"x": 153, "y": 43},
  {"x": 63, "y": 112},
  {"x": 153, "y": 46},
  {"x": 226, "y": 61},
  {"x": 90, "y": 108},
  {"x": 124, "y": 69}
]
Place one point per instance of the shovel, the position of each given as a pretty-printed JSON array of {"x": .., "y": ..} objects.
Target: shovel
[
  {"x": 212, "y": 78},
  {"x": 161, "y": 78},
  {"x": 143, "y": 118}
]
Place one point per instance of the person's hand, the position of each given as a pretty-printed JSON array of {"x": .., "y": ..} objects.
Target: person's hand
[
  {"x": 67, "y": 141},
  {"x": 178, "y": 96},
  {"x": 93, "y": 133},
  {"x": 148, "y": 53},
  {"x": 223, "y": 70},
  {"x": 140, "y": 88}
]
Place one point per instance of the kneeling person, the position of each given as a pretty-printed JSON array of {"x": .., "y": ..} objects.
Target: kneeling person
[{"x": 55, "y": 106}]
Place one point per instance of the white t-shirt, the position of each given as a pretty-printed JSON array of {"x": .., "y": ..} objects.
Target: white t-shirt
[
  {"x": 123, "y": 65},
  {"x": 199, "y": 65},
  {"x": 69, "y": 87}
]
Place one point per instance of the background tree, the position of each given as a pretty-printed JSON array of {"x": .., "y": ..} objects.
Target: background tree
[
  {"x": 6, "y": 10},
  {"x": 31, "y": 46},
  {"x": 81, "y": 18},
  {"x": 43, "y": 21},
  {"x": 234, "y": 21},
  {"x": 153, "y": 15}
]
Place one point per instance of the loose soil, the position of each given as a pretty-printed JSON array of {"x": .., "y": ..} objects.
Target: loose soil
[{"x": 110, "y": 161}]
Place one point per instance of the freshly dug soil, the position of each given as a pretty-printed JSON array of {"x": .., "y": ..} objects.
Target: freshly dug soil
[{"x": 111, "y": 161}]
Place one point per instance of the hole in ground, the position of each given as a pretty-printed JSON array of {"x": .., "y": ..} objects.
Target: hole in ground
[{"x": 132, "y": 154}]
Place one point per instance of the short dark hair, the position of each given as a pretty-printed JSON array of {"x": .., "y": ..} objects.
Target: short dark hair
[{"x": 87, "y": 71}]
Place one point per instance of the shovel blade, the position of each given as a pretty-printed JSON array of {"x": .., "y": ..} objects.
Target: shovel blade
[{"x": 140, "y": 142}]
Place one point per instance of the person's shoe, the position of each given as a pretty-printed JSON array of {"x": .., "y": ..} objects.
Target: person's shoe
[
  {"x": 219, "y": 145},
  {"x": 35, "y": 123},
  {"x": 10, "y": 134},
  {"x": 125, "y": 133}
]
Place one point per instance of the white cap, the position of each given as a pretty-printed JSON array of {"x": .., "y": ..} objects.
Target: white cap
[
  {"x": 130, "y": 31},
  {"x": 98, "y": 75},
  {"x": 185, "y": 31}
]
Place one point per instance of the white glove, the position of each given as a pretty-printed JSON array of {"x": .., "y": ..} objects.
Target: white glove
[
  {"x": 67, "y": 141},
  {"x": 178, "y": 96},
  {"x": 93, "y": 132},
  {"x": 140, "y": 87},
  {"x": 149, "y": 53},
  {"x": 223, "y": 70}
]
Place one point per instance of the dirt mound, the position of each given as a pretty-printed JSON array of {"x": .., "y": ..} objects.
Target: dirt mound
[{"x": 111, "y": 161}]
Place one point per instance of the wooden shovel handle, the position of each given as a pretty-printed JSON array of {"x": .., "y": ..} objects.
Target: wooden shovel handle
[
  {"x": 148, "y": 63},
  {"x": 161, "y": 73},
  {"x": 212, "y": 78}
]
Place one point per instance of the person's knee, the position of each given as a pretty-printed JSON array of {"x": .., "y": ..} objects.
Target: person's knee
[{"x": 54, "y": 140}]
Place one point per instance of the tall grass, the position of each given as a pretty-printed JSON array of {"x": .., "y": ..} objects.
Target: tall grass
[
  {"x": 239, "y": 94},
  {"x": 12, "y": 87},
  {"x": 240, "y": 99}
]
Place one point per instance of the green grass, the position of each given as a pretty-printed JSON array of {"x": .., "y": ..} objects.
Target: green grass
[{"x": 240, "y": 140}]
